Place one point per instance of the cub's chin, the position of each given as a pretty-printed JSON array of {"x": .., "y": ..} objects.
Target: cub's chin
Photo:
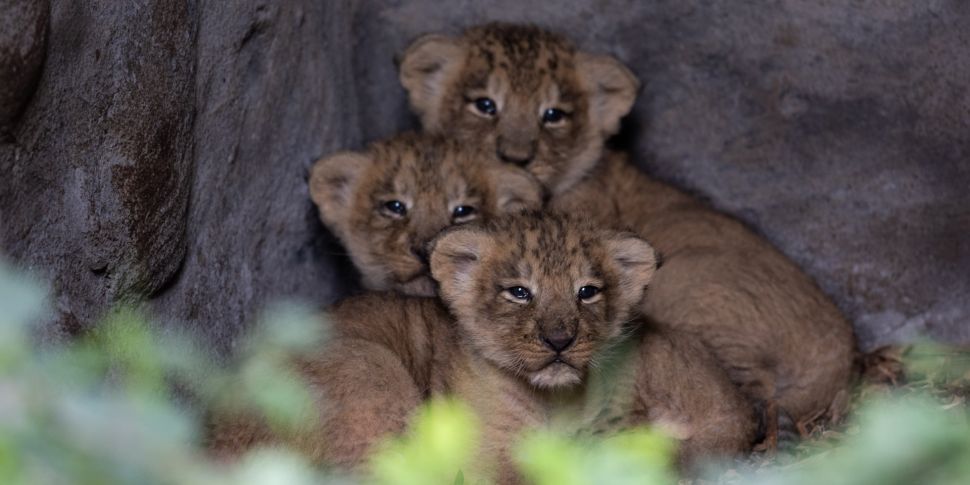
[
  {"x": 556, "y": 375},
  {"x": 421, "y": 285}
]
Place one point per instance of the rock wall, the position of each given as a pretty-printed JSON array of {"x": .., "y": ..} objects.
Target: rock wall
[
  {"x": 163, "y": 153},
  {"x": 162, "y": 149},
  {"x": 95, "y": 176}
]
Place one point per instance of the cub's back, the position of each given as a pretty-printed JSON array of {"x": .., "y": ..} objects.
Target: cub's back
[{"x": 418, "y": 330}]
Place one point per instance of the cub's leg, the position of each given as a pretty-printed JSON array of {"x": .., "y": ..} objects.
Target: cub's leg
[
  {"x": 681, "y": 389},
  {"x": 360, "y": 394},
  {"x": 365, "y": 395},
  {"x": 776, "y": 335}
]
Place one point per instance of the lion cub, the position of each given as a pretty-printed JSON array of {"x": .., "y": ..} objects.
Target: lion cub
[
  {"x": 537, "y": 299},
  {"x": 385, "y": 204},
  {"x": 531, "y": 99},
  {"x": 530, "y": 302}
]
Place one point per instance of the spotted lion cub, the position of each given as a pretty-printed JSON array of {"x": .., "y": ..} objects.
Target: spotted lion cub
[
  {"x": 385, "y": 204},
  {"x": 537, "y": 300},
  {"x": 531, "y": 99},
  {"x": 530, "y": 302}
]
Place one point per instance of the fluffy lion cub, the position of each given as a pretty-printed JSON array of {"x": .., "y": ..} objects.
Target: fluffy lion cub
[
  {"x": 530, "y": 304},
  {"x": 537, "y": 298},
  {"x": 533, "y": 100},
  {"x": 385, "y": 204}
]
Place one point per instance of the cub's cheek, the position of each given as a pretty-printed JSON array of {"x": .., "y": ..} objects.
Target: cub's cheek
[
  {"x": 482, "y": 132},
  {"x": 565, "y": 132}
]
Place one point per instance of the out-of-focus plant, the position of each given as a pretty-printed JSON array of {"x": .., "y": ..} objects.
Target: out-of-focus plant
[
  {"x": 438, "y": 449},
  {"x": 102, "y": 410},
  {"x": 638, "y": 456},
  {"x": 918, "y": 432},
  {"x": 263, "y": 381},
  {"x": 938, "y": 367},
  {"x": 905, "y": 441}
]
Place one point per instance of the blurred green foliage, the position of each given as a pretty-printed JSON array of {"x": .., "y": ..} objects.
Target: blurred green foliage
[
  {"x": 438, "y": 449},
  {"x": 102, "y": 410},
  {"x": 631, "y": 457},
  {"x": 938, "y": 366},
  {"x": 904, "y": 441}
]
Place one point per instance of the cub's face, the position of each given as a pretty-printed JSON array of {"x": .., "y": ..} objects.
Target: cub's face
[
  {"x": 526, "y": 96},
  {"x": 538, "y": 295},
  {"x": 386, "y": 204}
]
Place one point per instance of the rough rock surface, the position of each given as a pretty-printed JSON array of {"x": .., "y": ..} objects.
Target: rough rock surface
[
  {"x": 23, "y": 32},
  {"x": 95, "y": 181},
  {"x": 163, "y": 150},
  {"x": 274, "y": 92}
]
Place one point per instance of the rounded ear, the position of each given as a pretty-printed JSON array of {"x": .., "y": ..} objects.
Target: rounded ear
[
  {"x": 426, "y": 68},
  {"x": 333, "y": 182},
  {"x": 516, "y": 190},
  {"x": 455, "y": 257},
  {"x": 635, "y": 261},
  {"x": 612, "y": 89}
]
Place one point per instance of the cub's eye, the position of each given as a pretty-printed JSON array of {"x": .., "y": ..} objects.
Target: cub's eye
[
  {"x": 519, "y": 293},
  {"x": 463, "y": 212},
  {"x": 553, "y": 116},
  {"x": 587, "y": 292},
  {"x": 396, "y": 207},
  {"x": 486, "y": 106}
]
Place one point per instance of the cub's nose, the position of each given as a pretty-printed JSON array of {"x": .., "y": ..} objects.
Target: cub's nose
[
  {"x": 558, "y": 340},
  {"x": 517, "y": 158},
  {"x": 518, "y": 149}
]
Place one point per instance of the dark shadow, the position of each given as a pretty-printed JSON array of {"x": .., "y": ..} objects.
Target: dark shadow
[{"x": 327, "y": 252}]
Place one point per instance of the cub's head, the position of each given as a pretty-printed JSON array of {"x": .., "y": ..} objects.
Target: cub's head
[
  {"x": 537, "y": 295},
  {"x": 526, "y": 95},
  {"x": 387, "y": 203}
]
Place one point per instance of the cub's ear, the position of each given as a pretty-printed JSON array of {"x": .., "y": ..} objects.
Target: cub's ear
[
  {"x": 426, "y": 68},
  {"x": 333, "y": 182},
  {"x": 635, "y": 262},
  {"x": 516, "y": 190},
  {"x": 455, "y": 257},
  {"x": 612, "y": 89}
]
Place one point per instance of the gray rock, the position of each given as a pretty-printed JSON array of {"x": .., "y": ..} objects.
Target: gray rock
[
  {"x": 96, "y": 180},
  {"x": 274, "y": 92},
  {"x": 23, "y": 32}
]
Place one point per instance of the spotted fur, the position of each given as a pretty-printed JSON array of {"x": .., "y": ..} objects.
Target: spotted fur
[
  {"x": 387, "y": 352},
  {"x": 525, "y": 71},
  {"x": 431, "y": 177},
  {"x": 782, "y": 340}
]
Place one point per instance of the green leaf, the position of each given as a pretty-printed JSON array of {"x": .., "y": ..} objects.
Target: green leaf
[{"x": 442, "y": 441}]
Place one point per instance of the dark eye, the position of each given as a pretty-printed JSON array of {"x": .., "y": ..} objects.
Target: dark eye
[
  {"x": 553, "y": 115},
  {"x": 520, "y": 293},
  {"x": 486, "y": 106},
  {"x": 396, "y": 207},
  {"x": 587, "y": 292},
  {"x": 463, "y": 211}
]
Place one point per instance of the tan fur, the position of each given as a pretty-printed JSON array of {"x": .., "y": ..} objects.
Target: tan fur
[
  {"x": 767, "y": 322},
  {"x": 431, "y": 176},
  {"x": 444, "y": 76},
  {"x": 390, "y": 351}
]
